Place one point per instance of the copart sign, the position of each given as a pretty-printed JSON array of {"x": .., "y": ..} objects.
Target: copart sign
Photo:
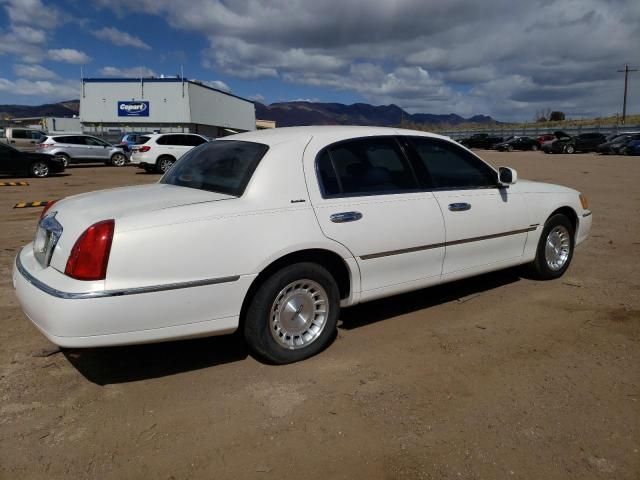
[{"x": 133, "y": 109}]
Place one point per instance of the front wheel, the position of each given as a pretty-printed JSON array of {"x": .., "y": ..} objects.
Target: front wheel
[
  {"x": 534, "y": 148},
  {"x": 39, "y": 169},
  {"x": 570, "y": 149},
  {"x": 555, "y": 248},
  {"x": 118, "y": 159},
  {"x": 293, "y": 314},
  {"x": 64, "y": 158}
]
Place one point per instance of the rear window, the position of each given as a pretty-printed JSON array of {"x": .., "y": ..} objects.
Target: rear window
[
  {"x": 142, "y": 139},
  {"x": 220, "y": 166}
]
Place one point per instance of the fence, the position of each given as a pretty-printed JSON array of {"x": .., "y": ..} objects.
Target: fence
[{"x": 534, "y": 131}]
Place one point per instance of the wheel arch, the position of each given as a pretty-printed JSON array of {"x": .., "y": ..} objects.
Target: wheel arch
[
  {"x": 570, "y": 213},
  {"x": 166, "y": 155},
  {"x": 328, "y": 259}
]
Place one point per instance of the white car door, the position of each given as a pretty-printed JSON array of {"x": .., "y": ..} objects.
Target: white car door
[
  {"x": 484, "y": 224},
  {"x": 366, "y": 196}
]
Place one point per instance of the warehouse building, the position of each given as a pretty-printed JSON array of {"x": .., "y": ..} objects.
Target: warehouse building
[{"x": 110, "y": 107}]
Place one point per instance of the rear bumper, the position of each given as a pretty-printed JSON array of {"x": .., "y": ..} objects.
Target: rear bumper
[{"x": 70, "y": 320}]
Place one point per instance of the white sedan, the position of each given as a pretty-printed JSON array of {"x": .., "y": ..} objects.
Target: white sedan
[{"x": 272, "y": 232}]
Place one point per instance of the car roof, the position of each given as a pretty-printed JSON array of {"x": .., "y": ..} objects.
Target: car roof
[{"x": 283, "y": 134}]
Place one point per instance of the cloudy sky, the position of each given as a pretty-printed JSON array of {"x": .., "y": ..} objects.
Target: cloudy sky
[{"x": 506, "y": 58}]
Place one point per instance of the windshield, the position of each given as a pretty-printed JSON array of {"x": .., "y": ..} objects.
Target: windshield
[{"x": 223, "y": 166}]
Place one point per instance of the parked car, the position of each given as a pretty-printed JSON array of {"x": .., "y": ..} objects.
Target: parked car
[
  {"x": 546, "y": 137},
  {"x": 618, "y": 143},
  {"x": 274, "y": 231},
  {"x": 557, "y": 136},
  {"x": 517, "y": 143},
  {"x": 585, "y": 142},
  {"x": 17, "y": 162},
  {"x": 481, "y": 140},
  {"x": 157, "y": 152},
  {"x": 130, "y": 139},
  {"x": 22, "y": 138},
  {"x": 82, "y": 149},
  {"x": 631, "y": 148}
]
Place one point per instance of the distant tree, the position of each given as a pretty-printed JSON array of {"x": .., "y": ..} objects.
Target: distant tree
[{"x": 556, "y": 116}]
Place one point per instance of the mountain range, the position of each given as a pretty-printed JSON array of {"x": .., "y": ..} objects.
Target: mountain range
[{"x": 289, "y": 114}]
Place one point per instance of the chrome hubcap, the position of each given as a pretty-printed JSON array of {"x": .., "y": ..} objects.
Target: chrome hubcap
[
  {"x": 299, "y": 314},
  {"x": 118, "y": 160},
  {"x": 557, "y": 247},
  {"x": 40, "y": 169}
]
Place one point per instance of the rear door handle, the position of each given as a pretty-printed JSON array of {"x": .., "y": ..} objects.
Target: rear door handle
[
  {"x": 343, "y": 217},
  {"x": 459, "y": 207}
]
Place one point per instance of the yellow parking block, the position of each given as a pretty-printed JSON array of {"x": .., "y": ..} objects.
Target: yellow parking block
[
  {"x": 31, "y": 204},
  {"x": 14, "y": 184}
]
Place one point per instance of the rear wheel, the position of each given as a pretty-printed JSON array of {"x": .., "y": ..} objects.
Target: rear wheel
[
  {"x": 510, "y": 148},
  {"x": 570, "y": 149},
  {"x": 164, "y": 163},
  {"x": 555, "y": 248},
  {"x": 534, "y": 147},
  {"x": 39, "y": 169},
  {"x": 293, "y": 314},
  {"x": 118, "y": 159}
]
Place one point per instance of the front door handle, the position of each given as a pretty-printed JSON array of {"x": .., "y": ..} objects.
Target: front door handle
[
  {"x": 459, "y": 207},
  {"x": 343, "y": 217}
]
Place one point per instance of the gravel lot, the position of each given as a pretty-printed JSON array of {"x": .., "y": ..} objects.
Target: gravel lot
[{"x": 495, "y": 377}]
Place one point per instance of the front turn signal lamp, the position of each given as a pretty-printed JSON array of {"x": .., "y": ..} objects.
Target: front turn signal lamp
[{"x": 584, "y": 201}]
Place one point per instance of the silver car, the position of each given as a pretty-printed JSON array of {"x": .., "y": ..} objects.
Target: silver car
[{"x": 82, "y": 149}]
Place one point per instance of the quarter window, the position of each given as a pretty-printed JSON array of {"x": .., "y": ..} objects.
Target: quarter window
[
  {"x": 365, "y": 167},
  {"x": 452, "y": 167}
]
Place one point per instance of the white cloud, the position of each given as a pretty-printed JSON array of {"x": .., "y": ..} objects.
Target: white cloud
[
  {"x": 64, "y": 90},
  {"x": 34, "y": 72},
  {"x": 120, "y": 38},
  {"x": 218, "y": 84},
  {"x": 133, "y": 72},
  {"x": 33, "y": 13},
  {"x": 257, "y": 98},
  {"x": 68, "y": 55}
]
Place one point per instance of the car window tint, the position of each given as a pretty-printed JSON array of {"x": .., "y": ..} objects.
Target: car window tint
[
  {"x": 36, "y": 135},
  {"x": 371, "y": 165},
  {"x": 221, "y": 166},
  {"x": 93, "y": 141},
  {"x": 142, "y": 139},
  {"x": 327, "y": 175},
  {"x": 68, "y": 139},
  {"x": 19, "y": 133},
  {"x": 452, "y": 167},
  {"x": 196, "y": 140}
]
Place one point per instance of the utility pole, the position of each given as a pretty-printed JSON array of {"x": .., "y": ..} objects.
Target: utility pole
[{"x": 626, "y": 76}]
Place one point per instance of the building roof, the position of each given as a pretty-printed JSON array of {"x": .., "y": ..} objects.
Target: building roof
[{"x": 159, "y": 80}]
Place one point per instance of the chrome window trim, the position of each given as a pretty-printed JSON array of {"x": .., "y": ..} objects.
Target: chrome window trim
[{"x": 119, "y": 292}]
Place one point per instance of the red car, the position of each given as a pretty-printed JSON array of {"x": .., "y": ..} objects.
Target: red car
[{"x": 547, "y": 137}]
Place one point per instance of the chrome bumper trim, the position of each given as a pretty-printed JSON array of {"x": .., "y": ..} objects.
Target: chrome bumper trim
[{"x": 116, "y": 293}]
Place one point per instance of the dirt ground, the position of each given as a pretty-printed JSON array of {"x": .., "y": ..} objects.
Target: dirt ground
[{"x": 495, "y": 377}]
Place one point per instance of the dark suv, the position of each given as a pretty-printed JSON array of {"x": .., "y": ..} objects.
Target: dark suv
[{"x": 585, "y": 142}]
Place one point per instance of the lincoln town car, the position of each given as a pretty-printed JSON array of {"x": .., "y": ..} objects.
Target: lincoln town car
[{"x": 273, "y": 232}]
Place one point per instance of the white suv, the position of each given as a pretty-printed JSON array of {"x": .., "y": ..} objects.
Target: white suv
[{"x": 157, "y": 152}]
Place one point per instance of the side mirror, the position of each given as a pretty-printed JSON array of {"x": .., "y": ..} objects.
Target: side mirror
[{"x": 507, "y": 176}]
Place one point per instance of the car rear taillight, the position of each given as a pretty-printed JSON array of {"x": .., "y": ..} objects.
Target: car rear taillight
[
  {"x": 47, "y": 207},
  {"x": 45, "y": 145},
  {"x": 90, "y": 254},
  {"x": 144, "y": 148}
]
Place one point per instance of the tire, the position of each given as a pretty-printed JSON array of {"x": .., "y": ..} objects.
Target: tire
[
  {"x": 118, "y": 159},
  {"x": 534, "y": 148},
  {"x": 164, "y": 163},
  {"x": 277, "y": 333},
  {"x": 510, "y": 148},
  {"x": 624, "y": 151},
  {"x": 39, "y": 169},
  {"x": 569, "y": 149},
  {"x": 552, "y": 261},
  {"x": 65, "y": 159}
]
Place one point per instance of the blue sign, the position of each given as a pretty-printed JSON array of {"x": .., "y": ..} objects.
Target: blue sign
[{"x": 133, "y": 109}]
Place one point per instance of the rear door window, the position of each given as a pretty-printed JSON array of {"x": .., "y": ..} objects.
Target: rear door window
[
  {"x": 367, "y": 166},
  {"x": 20, "y": 133}
]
